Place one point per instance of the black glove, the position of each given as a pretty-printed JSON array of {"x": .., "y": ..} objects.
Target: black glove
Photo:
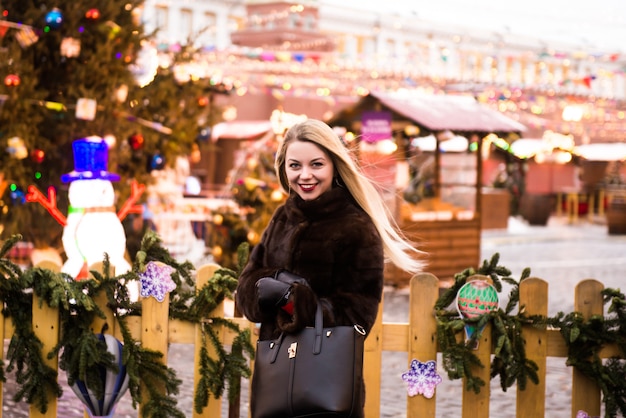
[
  {"x": 271, "y": 293},
  {"x": 290, "y": 278}
]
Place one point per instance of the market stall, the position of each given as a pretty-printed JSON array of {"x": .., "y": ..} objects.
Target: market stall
[{"x": 444, "y": 220}]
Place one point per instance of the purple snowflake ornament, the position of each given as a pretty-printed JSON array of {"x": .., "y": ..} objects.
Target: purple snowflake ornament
[
  {"x": 156, "y": 281},
  {"x": 422, "y": 378},
  {"x": 584, "y": 414}
]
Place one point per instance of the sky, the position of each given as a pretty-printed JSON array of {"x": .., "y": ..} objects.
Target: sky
[{"x": 593, "y": 25}]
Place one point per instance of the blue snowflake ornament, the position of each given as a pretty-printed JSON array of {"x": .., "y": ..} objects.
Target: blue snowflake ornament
[
  {"x": 422, "y": 378},
  {"x": 156, "y": 281}
]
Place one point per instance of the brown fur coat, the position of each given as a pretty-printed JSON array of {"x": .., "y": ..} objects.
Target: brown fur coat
[{"x": 331, "y": 243}]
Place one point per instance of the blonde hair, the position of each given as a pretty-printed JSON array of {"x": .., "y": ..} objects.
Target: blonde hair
[{"x": 397, "y": 249}]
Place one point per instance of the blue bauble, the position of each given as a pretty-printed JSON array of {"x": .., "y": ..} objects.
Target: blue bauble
[
  {"x": 204, "y": 135},
  {"x": 157, "y": 162},
  {"x": 54, "y": 18},
  {"x": 18, "y": 197}
]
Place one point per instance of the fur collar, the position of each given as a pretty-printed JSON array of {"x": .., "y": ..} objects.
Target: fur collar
[{"x": 330, "y": 203}]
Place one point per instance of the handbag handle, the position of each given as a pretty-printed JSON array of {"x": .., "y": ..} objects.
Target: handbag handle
[
  {"x": 317, "y": 344},
  {"x": 319, "y": 328}
]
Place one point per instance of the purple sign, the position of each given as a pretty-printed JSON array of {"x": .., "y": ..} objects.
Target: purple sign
[{"x": 376, "y": 126}]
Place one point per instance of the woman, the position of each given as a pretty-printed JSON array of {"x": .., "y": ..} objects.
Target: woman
[{"x": 326, "y": 244}]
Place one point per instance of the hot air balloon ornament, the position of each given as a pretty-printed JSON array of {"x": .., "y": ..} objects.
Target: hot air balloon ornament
[
  {"x": 475, "y": 298},
  {"x": 115, "y": 383}
]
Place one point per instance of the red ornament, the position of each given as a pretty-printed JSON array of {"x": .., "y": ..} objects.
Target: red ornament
[
  {"x": 37, "y": 156},
  {"x": 12, "y": 80},
  {"x": 136, "y": 141},
  {"x": 203, "y": 101},
  {"x": 93, "y": 14}
]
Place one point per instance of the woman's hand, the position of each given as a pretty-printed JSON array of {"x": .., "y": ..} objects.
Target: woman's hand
[{"x": 271, "y": 293}]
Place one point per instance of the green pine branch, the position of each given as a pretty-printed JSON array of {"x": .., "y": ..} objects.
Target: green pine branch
[
  {"x": 510, "y": 362},
  {"x": 34, "y": 377},
  {"x": 147, "y": 371},
  {"x": 224, "y": 369}
]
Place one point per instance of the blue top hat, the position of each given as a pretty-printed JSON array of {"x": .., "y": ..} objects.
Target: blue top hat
[{"x": 91, "y": 160}]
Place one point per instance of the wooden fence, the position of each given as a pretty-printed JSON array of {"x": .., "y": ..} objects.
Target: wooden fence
[{"x": 417, "y": 338}]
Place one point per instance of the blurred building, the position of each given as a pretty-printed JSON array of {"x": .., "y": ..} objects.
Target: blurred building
[{"x": 317, "y": 57}]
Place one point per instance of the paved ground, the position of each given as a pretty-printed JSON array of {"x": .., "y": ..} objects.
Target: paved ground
[{"x": 561, "y": 253}]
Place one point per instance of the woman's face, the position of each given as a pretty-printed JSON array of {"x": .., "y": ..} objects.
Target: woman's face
[{"x": 309, "y": 169}]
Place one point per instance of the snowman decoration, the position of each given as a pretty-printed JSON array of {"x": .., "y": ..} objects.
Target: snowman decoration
[{"x": 92, "y": 227}]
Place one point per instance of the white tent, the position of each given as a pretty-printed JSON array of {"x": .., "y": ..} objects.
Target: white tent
[
  {"x": 428, "y": 143},
  {"x": 602, "y": 151}
]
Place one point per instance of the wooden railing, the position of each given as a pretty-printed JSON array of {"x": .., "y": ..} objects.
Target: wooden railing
[{"x": 417, "y": 338}]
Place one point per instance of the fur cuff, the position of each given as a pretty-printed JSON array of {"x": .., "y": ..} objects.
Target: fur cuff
[{"x": 304, "y": 306}]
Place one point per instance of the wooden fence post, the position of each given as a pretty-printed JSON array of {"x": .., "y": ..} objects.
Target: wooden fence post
[
  {"x": 372, "y": 364},
  {"x": 46, "y": 328},
  {"x": 422, "y": 336},
  {"x": 101, "y": 300},
  {"x": 476, "y": 405},
  {"x": 154, "y": 330},
  {"x": 585, "y": 392},
  {"x": 533, "y": 298},
  {"x": 214, "y": 407}
]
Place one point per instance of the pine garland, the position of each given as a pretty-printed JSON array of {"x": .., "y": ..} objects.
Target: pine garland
[
  {"x": 81, "y": 353},
  {"x": 584, "y": 338}
]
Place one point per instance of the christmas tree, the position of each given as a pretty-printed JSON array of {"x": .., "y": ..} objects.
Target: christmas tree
[
  {"x": 70, "y": 71},
  {"x": 255, "y": 189}
]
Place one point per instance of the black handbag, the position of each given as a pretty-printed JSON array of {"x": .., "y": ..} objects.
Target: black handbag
[{"x": 314, "y": 372}]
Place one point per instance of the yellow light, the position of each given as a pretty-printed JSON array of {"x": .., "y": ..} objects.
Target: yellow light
[
  {"x": 276, "y": 196},
  {"x": 323, "y": 91},
  {"x": 573, "y": 113},
  {"x": 540, "y": 158},
  {"x": 563, "y": 157},
  {"x": 253, "y": 237},
  {"x": 411, "y": 130}
]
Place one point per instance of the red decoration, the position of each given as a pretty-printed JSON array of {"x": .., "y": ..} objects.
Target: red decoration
[
  {"x": 83, "y": 274},
  {"x": 12, "y": 80},
  {"x": 130, "y": 206},
  {"x": 93, "y": 14},
  {"x": 136, "y": 141},
  {"x": 37, "y": 155},
  {"x": 203, "y": 101},
  {"x": 48, "y": 202}
]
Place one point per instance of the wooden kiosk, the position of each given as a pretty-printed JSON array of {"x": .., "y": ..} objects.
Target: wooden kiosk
[{"x": 449, "y": 233}]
